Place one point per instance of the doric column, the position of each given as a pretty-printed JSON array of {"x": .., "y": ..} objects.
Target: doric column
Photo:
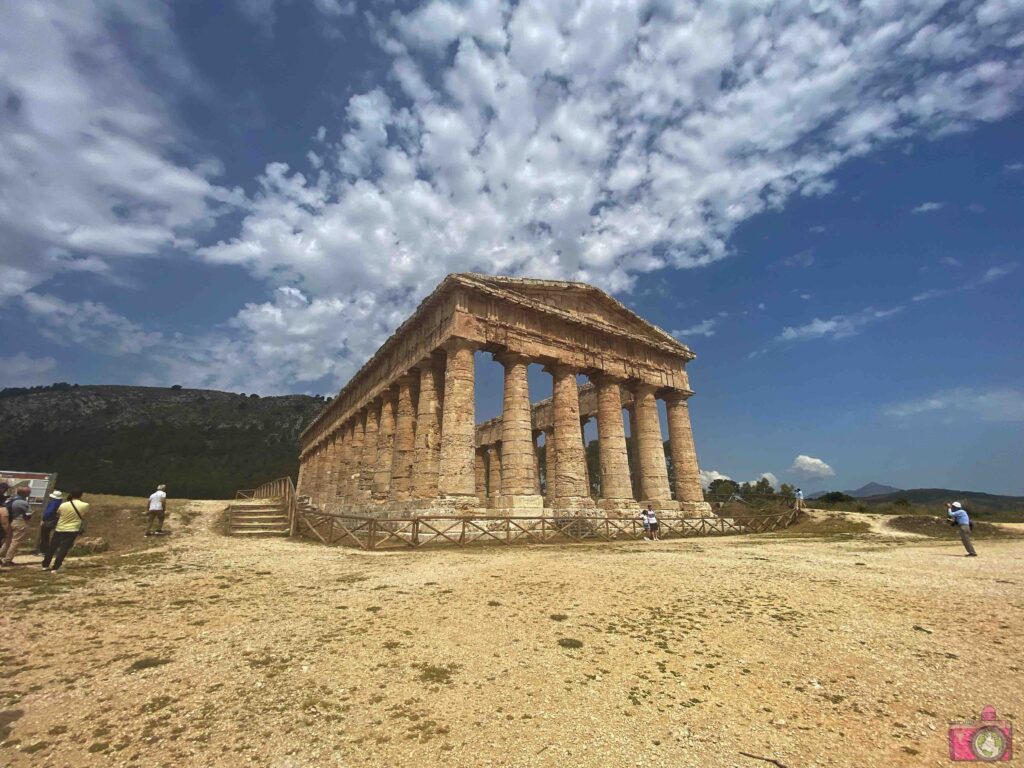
[
  {"x": 458, "y": 422},
  {"x": 313, "y": 481},
  {"x": 428, "y": 430},
  {"x": 481, "y": 474},
  {"x": 536, "y": 463},
  {"x": 634, "y": 445},
  {"x": 686, "y": 480},
  {"x": 303, "y": 464},
  {"x": 494, "y": 471},
  {"x": 567, "y": 461},
  {"x": 651, "y": 450},
  {"x": 518, "y": 474},
  {"x": 369, "y": 458},
  {"x": 385, "y": 446},
  {"x": 549, "y": 439},
  {"x": 341, "y": 460},
  {"x": 405, "y": 441},
  {"x": 355, "y": 465},
  {"x": 616, "y": 487},
  {"x": 586, "y": 464}
]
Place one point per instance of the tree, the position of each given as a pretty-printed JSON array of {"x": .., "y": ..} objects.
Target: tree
[
  {"x": 834, "y": 497},
  {"x": 764, "y": 487},
  {"x": 721, "y": 490},
  {"x": 787, "y": 491}
]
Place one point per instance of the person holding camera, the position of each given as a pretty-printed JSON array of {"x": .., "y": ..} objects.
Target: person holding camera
[{"x": 959, "y": 518}]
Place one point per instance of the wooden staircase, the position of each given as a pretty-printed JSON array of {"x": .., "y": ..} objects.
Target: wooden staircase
[{"x": 258, "y": 517}]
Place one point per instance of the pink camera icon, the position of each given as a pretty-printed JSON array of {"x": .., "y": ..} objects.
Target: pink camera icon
[{"x": 987, "y": 740}]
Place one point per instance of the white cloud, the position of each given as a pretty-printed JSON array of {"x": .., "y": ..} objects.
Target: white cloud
[
  {"x": 811, "y": 467},
  {"x": 88, "y": 324},
  {"x": 836, "y": 327},
  {"x": 580, "y": 140},
  {"x": 990, "y": 275},
  {"x": 928, "y": 207},
  {"x": 769, "y": 476},
  {"x": 708, "y": 476},
  {"x": 1013, "y": 167},
  {"x": 24, "y": 371},
  {"x": 703, "y": 328},
  {"x": 802, "y": 259},
  {"x": 596, "y": 143},
  {"x": 993, "y": 405},
  {"x": 86, "y": 145}
]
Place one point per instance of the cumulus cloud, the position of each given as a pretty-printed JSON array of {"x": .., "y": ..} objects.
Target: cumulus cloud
[
  {"x": 810, "y": 467},
  {"x": 586, "y": 141},
  {"x": 769, "y": 476},
  {"x": 22, "y": 370},
  {"x": 836, "y": 327},
  {"x": 708, "y": 476},
  {"x": 86, "y": 147},
  {"x": 992, "y": 405},
  {"x": 928, "y": 207},
  {"x": 89, "y": 324},
  {"x": 703, "y": 328},
  {"x": 597, "y": 143}
]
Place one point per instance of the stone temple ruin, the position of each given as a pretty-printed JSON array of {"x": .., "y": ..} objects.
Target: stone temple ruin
[{"x": 401, "y": 438}]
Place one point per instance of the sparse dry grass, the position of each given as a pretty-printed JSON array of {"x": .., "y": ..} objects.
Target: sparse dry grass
[{"x": 825, "y": 645}]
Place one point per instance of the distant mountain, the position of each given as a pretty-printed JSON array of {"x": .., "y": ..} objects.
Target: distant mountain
[
  {"x": 114, "y": 439},
  {"x": 939, "y": 497},
  {"x": 871, "y": 489}
]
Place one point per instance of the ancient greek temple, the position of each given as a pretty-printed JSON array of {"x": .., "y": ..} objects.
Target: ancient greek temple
[{"x": 401, "y": 439}]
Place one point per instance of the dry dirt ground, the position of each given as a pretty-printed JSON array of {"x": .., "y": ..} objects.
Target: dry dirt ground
[{"x": 853, "y": 650}]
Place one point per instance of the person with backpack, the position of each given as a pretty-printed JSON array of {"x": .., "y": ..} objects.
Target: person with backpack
[
  {"x": 18, "y": 514},
  {"x": 48, "y": 522},
  {"x": 959, "y": 518},
  {"x": 70, "y": 523}
]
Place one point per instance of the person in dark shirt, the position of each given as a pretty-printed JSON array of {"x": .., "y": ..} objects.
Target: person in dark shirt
[{"x": 49, "y": 521}]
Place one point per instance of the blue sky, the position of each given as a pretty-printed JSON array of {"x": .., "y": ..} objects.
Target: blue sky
[{"x": 824, "y": 202}]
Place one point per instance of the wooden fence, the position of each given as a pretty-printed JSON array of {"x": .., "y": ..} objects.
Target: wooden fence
[
  {"x": 447, "y": 530},
  {"x": 282, "y": 488}
]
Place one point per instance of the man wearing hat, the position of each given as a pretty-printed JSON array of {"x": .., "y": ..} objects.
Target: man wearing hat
[
  {"x": 958, "y": 517},
  {"x": 49, "y": 521}
]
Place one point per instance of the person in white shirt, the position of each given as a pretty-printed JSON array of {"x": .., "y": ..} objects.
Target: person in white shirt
[
  {"x": 157, "y": 508},
  {"x": 651, "y": 522},
  {"x": 799, "y": 499}
]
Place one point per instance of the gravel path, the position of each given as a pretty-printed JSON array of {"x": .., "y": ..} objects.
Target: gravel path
[{"x": 212, "y": 651}]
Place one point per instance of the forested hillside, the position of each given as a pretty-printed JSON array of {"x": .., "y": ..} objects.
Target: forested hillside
[{"x": 125, "y": 440}]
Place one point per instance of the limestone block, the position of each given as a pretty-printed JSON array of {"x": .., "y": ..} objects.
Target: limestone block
[
  {"x": 494, "y": 470},
  {"x": 517, "y": 452},
  {"x": 684, "y": 454},
  {"x": 650, "y": 448},
  {"x": 428, "y": 431},
  {"x": 567, "y": 464},
  {"x": 368, "y": 462},
  {"x": 385, "y": 447},
  {"x": 405, "y": 441},
  {"x": 615, "y": 482},
  {"x": 457, "y": 475}
]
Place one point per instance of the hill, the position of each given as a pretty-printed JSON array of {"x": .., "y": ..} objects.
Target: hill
[
  {"x": 871, "y": 489},
  {"x": 938, "y": 497},
  {"x": 125, "y": 440}
]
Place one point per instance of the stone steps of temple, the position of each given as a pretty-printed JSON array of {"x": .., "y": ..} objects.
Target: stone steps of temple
[{"x": 258, "y": 517}]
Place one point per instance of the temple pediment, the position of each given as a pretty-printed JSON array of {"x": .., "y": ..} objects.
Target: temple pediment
[{"x": 577, "y": 301}]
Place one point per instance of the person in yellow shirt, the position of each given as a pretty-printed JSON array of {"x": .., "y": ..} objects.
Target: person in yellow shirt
[{"x": 70, "y": 522}]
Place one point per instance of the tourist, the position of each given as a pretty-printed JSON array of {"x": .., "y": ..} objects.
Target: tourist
[
  {"x": 646, "y": 524},
  {"x": 18, "y": 514},
  {"x": 652, "y": 522},
  {"x": 70, "y": 522},
  {"x": 799, "y": 499},
  {"x": 49, "y": 522},
  {"x": 4, "y": 521},
  {"x": 958, "y": 517},
  {"x": 157, "y": 508}
]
